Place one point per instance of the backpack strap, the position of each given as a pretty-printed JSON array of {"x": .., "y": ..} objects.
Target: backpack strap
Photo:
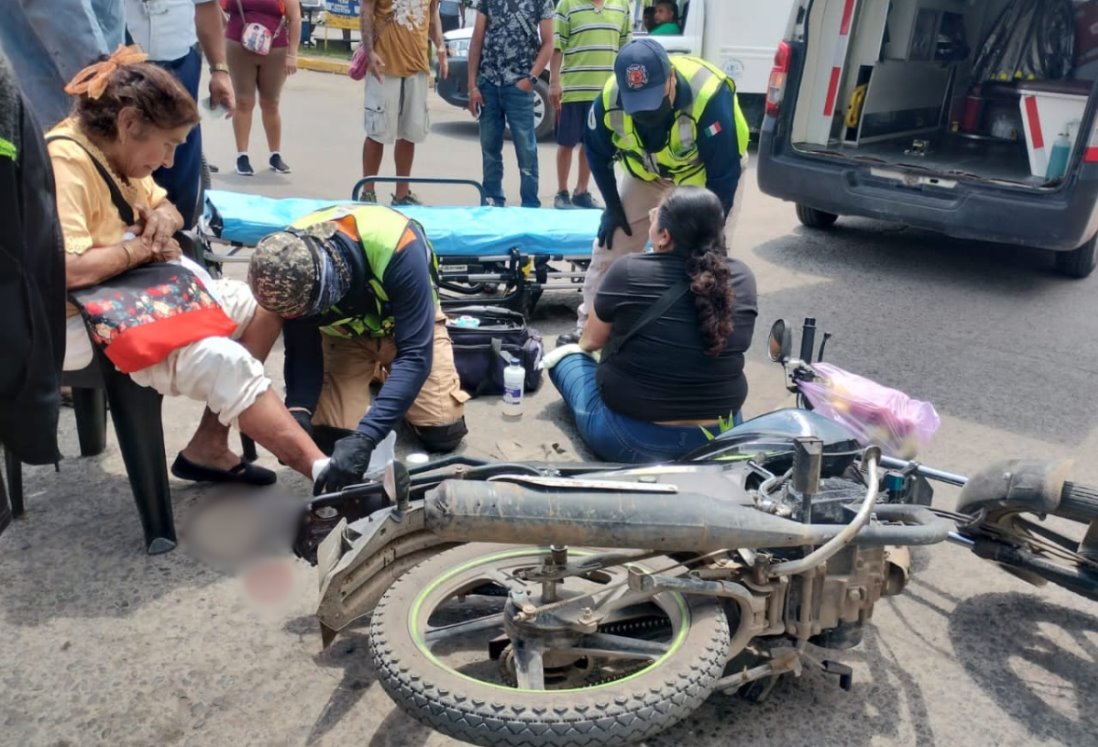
[
  {"x": 656, "y": 310},
  {"x": 125, "y": 210}
]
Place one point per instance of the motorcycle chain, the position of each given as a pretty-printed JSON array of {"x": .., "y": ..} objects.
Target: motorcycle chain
[{"x": 646, "y": 625}]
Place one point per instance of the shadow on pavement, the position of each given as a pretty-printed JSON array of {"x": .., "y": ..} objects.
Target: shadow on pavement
[
  {"x": 991, "y": 631},
  {"x": 861, "y": 245},
  {"x": 468, "y": 131},
  {"x": 351, "y": 652},
  {"x": 814, "y": 710},
  {"x": 81, "y": 527}
]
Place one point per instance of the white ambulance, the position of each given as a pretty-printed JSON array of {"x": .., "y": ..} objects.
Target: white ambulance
[{"x": 972, "y": 118}]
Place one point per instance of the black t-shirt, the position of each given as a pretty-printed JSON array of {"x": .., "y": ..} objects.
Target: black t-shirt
[{"x": 662, "y": 371}]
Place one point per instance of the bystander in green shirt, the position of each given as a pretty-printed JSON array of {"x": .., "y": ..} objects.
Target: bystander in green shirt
[
  {"x": 666, "y": 29},
  {"x": 589, "y": 35}
]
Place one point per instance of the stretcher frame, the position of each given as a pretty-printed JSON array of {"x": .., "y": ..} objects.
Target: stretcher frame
[{"x": 515, "y": 279}]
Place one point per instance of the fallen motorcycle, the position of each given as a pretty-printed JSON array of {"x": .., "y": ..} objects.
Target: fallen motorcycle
[{"x": 548, "y": 604}]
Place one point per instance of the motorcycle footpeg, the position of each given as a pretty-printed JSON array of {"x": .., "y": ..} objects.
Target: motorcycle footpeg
[{"x": 842, "y": 671}]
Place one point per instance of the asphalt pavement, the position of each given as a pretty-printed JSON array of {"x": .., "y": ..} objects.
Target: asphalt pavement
[{"x": 101, "y": 644}]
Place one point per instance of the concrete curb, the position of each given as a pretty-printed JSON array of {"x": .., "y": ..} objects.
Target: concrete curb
[{"x": 324, "y": 65}]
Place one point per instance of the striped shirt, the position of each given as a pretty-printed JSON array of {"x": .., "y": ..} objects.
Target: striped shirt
[{"x": 589, "y": 39}]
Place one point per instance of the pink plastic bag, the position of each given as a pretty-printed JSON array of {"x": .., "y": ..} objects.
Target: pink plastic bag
[
  {"x": 875, "y": 414},
  {"x": 360, "y": 63}
]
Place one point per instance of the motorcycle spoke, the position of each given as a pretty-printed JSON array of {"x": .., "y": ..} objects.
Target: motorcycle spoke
[
  {"x": 1066, "y": 543},
  {"x": 619, "y": 647},
  {"x": 436, "y": 634}
]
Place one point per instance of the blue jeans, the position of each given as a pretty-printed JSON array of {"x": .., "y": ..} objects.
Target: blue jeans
[
  {"x": 47, "y": 43},
  {"x": 517, "y": 106},
  {"x": 612, "y": 436},
  {"x": 184, "y": 179}
]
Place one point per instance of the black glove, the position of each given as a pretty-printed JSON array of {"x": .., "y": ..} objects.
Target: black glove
[
  {"x": 304, "y": 418},
  {"x": 613, "y": 217},
  {"x": 350, "y": 458}
]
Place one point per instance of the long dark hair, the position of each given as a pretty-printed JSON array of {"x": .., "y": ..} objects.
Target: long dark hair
[{"x": 694, "y": 217}]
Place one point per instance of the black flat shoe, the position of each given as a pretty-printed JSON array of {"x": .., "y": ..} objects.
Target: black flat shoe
[{"x": 244, "y": 473}]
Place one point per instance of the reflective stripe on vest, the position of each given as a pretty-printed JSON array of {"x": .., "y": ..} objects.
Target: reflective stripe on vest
[
  {"x": 679, "y": 160},
  {"x": 380, "y": 230}
]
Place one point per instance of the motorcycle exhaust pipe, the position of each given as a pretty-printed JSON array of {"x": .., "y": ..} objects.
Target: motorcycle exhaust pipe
[{"x": 477, "y": 511}]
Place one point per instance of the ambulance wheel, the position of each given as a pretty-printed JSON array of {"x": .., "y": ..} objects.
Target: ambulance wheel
[
  {"x": 813, "y": 218},
  {"x": 1078, "y": 263}
]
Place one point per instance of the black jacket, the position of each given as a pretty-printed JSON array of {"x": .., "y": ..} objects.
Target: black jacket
[{"x": 32, "y": 284}]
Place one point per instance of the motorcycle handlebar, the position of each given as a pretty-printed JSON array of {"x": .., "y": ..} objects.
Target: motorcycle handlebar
[{"x": 1078, "y": 502}]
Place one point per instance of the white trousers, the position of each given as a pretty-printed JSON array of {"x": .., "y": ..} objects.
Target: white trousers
[{"x": 217, "y": 370}]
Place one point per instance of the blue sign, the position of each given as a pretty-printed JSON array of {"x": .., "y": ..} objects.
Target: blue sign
[{"x": 343, "y": 7}]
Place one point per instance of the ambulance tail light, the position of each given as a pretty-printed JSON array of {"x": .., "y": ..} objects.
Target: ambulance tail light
[
  {"x": 1090, "y": 155},
  {"x": 776, "y": 88}
]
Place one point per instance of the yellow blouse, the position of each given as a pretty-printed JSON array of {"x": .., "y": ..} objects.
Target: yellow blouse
[{"x": 88, "y": 217}]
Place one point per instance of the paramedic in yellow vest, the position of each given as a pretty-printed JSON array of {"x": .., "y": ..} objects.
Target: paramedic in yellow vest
[
  {"x": 357, "y": 286},
  {"x": 670, "y": 121}
]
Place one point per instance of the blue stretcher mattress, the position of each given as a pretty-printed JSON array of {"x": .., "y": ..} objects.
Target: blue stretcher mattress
[{"x": 454, "y": 231}]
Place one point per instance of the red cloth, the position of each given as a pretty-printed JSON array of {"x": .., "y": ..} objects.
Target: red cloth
[{"x": 266, "y": 12}]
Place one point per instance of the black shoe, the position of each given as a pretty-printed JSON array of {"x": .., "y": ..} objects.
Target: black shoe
[
  {"x": 244, "y": 166},
  {"x": 562, "y": 201},
  {"x": 585, "y": 201},
  {"x": 277, "y": 164},
  {"x": 247, "y": 474},
  {"x": 569, "y": 338}
]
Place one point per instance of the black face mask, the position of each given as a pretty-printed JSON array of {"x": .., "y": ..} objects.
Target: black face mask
[{"x": 655, "y": 117}]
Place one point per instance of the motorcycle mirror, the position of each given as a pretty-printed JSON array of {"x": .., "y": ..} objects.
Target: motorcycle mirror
[
  {"x": 398, "y": 484},
  {"x": 781, "y": 342}
]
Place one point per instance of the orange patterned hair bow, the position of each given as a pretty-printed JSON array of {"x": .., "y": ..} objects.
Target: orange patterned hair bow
[{"x": 92, "y": 80}]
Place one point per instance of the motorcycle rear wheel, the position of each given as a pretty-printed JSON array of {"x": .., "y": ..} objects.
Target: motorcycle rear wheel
[{"x": 441, "y": 674}]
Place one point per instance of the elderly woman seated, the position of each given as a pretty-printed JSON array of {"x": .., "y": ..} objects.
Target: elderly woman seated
[{"x": 128, "y": 118}]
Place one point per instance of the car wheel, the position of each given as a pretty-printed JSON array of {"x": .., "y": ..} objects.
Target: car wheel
[
  {"x": 543, "y": 111},
  {"x": 1078, "y": 263},
  {"x": 813, "y": 218}
]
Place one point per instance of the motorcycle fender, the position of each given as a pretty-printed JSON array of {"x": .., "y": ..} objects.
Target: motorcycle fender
[
  {"x": 1016, "y": 484},
  {"x": 356, "y": 564}
]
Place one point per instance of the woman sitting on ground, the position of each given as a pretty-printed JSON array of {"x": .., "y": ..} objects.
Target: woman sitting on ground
[
  {"x": 674, "y": 374},
  {"x": 129, "y": 116}
]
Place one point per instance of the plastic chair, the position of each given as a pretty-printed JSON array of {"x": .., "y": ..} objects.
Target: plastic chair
[{"x": 135, "y": 411}]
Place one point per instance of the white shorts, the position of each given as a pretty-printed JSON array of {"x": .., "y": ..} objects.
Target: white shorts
[
  {"x": 215, "y": 370},
  {"x": 396, "y": 108}
]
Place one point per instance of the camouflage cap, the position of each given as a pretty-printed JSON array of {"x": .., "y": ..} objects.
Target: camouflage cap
[{"x": 284, "y": 273}]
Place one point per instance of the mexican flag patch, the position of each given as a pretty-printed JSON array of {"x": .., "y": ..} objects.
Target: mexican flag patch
[{"x": 713, "y": 129}]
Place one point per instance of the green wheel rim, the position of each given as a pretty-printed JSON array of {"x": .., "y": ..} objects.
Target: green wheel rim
[{"x": 421, "y": 643}]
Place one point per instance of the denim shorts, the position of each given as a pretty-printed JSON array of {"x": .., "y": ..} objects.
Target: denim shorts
[{"x": 571, "y": 120}]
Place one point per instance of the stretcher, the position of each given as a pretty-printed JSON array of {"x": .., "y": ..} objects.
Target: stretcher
[{"x": 503, "y": 256}]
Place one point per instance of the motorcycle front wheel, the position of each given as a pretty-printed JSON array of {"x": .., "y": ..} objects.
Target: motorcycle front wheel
[{"x": 441, "y": 652}]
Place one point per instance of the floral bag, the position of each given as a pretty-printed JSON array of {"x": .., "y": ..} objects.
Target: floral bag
[
  {"x": 142, "y": 315},
  {"x": 257, "y": 38}
]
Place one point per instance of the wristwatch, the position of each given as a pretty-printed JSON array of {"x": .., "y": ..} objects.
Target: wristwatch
[
  {"x": 533, "y": 79},
  {"x": 220, "y": 67}
]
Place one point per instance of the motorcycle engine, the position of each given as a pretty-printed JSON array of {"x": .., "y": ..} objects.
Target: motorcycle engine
[{"x": 835, "y": 502}]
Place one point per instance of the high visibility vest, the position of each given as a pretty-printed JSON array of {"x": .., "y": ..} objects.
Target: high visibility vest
[
  {"x": 680, "y": 160},
  {"x": 379, "y": 230}
]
